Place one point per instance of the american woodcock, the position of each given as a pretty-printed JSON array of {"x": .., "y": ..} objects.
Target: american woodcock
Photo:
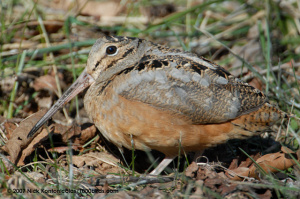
[{"x": 155, "y": 97}]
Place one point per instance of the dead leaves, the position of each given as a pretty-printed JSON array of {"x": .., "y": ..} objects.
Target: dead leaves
[
  {"x": 226, "y": 181},
  {"x": 102, "y": 162},
  {"x": 223, "y": 183},
  {"x": 45, "y": 82},
  {"x": 269, "y": 163},
  {"x": 266, "y": 164},
  {"x": 206, "y": 176},
  {"x": 19, "y": 146},
  {"x": 90, "y": 8},
  {"x": 18, "y": 140}
]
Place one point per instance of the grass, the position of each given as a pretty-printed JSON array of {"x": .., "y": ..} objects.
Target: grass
[{"x": 225, "y": 32}]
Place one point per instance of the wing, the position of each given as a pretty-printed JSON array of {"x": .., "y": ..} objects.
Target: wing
[{"x": 187, "y": 88}]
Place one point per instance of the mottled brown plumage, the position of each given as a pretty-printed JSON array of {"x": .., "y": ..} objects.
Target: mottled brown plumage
[{"x": 161, "y": 98}]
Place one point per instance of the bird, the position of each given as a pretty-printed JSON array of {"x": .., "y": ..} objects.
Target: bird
[{"x": 149, "y": 96}]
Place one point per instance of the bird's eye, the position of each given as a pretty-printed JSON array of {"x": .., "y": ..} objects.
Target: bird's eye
[{"x": 111, "y": 50}]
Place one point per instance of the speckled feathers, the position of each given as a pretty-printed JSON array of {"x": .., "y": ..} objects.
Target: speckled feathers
[
  {"x": 177, "y": 81},
  {"x": 148, "y": 90}
]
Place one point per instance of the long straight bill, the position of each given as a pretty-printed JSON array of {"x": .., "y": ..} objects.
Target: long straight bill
[{"x": 82, "y": 82}]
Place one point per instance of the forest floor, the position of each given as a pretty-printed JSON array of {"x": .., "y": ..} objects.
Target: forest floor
[{"x": 44, "y": 46}]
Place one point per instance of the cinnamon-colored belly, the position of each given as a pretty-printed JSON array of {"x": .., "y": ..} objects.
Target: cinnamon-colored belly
[{"x": 126, "y": 122}]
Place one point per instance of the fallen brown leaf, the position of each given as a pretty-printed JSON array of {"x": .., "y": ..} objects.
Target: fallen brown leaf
[
  {"x": 257, "y": 83},
  {"x": 44, "y": 102},
  {"x": 88, "y": 132},
  {"x": 233, "y": 164},
  {"x": 35, "y": 142},
  {"x": 90, "y": 8},
  {"x": 103, "y": 161},
  {"x": 248, "y": 161},
  {"x": 9, "y": 127},
  {"x": 63, "y": 149},
  {"x": 270, "y": 163},
  {"x": 217, "y": 182},
  {"x": 240, "y": 171},
  {"x": 206, "y": 172},
  {"x": 92, "y": 159},
  {"x": 66, "y": 132},
  {"x": 287, "y": 150},
  {"x": 45, "y": 82},
  {"x": 191, "y": 170},
  {"x": 18, "y": 139},
  {"x": 266, "y": 195}
]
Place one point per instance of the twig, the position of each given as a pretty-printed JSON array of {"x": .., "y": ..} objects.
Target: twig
[
  {"x": 274, "y": 68},
  {"x": 100, "y": 181}
]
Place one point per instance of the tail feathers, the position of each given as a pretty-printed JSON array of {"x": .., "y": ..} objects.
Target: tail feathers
[{"x": 260, "y": 120}]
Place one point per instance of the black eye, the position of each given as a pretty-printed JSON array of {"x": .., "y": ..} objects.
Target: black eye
[{"x": 110, "y": 50}]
